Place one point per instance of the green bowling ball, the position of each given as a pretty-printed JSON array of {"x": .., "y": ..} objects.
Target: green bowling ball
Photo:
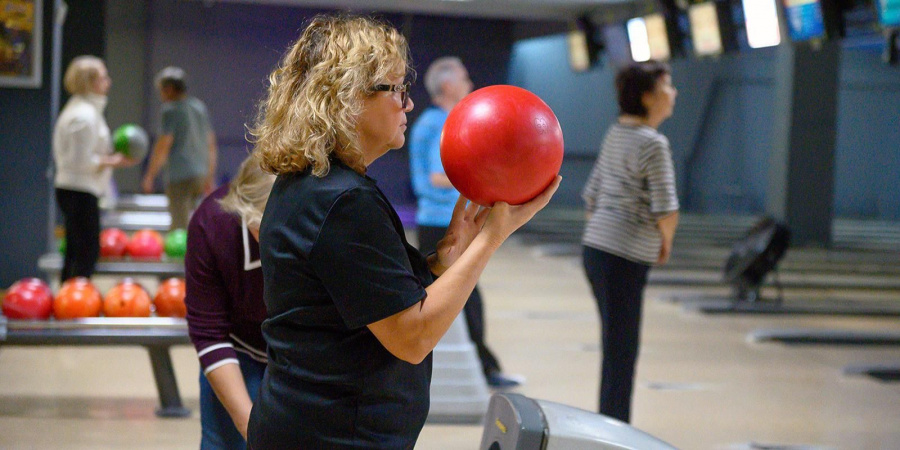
[
  {"x": 62, "y": 246},
  {"x": 131, "y": 140},
  {"x": 175, "y": 244}
]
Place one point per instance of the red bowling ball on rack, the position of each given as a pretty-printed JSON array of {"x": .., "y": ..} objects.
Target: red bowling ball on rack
[
  {"x": 146, "y": 244},
  {"x": 113, "y": 243},
  {"x": 28, "y": 298}
]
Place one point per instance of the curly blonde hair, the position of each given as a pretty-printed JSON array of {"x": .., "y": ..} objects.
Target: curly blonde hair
[{"x": 317, "y": 91}]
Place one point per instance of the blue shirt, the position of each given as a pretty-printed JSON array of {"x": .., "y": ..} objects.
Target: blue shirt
[{"x": 435, "y": 204}]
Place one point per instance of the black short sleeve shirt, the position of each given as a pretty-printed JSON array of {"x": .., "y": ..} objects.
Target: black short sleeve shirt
[{"x": 335, "y": 259}]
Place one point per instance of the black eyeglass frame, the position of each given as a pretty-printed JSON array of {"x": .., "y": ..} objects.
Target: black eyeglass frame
[{"x": 403, "y": 89}]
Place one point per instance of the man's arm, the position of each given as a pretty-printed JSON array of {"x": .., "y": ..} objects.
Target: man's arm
[
  {"x": 439, "y": 179},
  {"x": 213, "y": 149},
  {"x": 158, "y": 159}
]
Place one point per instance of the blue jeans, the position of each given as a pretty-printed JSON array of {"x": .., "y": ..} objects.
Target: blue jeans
[{"x": 218, "y": 430}]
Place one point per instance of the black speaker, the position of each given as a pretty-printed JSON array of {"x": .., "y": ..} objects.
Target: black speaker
[{"x": 754, "y": 256}]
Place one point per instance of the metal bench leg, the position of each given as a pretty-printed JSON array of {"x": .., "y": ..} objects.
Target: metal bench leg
[{"x": 169, "y": 398}]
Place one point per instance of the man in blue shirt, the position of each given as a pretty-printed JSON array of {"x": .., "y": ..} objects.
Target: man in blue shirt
[{"x": 447, "y": 82}]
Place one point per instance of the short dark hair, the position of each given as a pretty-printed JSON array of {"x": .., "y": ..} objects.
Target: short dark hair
[{"x": 633, "y": 81}]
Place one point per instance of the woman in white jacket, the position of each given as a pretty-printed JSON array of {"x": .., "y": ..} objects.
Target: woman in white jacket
[{"x": 84, "y": 159}]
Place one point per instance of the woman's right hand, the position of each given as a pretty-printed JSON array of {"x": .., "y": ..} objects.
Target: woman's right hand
[
  {"x": 117, "y": 160},
  {"x": 504, "y": 218}
]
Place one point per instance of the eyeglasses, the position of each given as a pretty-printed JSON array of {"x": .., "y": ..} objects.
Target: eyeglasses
[{"x": 403, "y": 89}]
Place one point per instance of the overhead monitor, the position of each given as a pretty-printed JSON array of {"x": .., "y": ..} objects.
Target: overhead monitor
[
  {"x": 889, "y": 12},
  {"x": 637, "y": 39},
  {"x": 579, "y": 57},
  {"x": 648, "y": 38},
  {"x": 761, "y": 19},
  {"x": 705, "y": 32},
  {"x": 584, "y": 49},
  {"x": 804, "y": 19}
]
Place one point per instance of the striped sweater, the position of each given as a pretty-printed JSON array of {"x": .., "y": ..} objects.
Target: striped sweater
[{"x": 631, "y": 186}]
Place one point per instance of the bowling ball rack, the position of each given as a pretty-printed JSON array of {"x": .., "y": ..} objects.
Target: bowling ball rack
[
  {"x": 156, "y": 334},
  {"x": 51, "y": 264}
]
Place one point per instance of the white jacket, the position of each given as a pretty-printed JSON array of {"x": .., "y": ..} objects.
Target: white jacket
[{"x": 81, "y": 138}]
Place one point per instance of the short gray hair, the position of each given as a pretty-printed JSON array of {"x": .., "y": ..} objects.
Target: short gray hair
[
  {"x": 172, "y": 76},
  {"x": 441, "y": 70}
]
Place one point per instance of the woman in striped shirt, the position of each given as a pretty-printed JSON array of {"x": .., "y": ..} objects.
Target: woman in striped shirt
[{"x": 632, "y": 213}]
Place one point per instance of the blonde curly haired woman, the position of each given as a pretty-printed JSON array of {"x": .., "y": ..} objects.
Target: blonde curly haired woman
[{"x": 354, "y": 311}]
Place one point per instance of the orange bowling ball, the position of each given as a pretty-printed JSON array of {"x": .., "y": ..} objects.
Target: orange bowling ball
[
  {"x": 501, "y": 143},
  {"x": 127, "y": 299},
  {"x": 169, "y": 300},
  {"x": 77, "y": 298}
]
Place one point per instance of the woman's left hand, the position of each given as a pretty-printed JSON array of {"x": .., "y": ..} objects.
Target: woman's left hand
[{"x": 466, "y": 223}]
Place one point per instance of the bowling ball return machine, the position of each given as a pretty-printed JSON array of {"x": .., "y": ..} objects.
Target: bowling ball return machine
[
  {"x": 516, "y": 422},
  {"x": 754, "y": 256}
]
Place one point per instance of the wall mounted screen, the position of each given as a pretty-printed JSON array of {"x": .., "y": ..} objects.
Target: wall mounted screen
[
  {"x": 804, "y": 19},
  {"x": 761, "y": 19},
  {"x": 889, "y": 12},
  {"x": 705, "y": 33}
]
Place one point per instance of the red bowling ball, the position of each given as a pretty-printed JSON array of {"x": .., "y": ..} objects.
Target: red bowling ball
[
  {"x": 145, "y": 244},
  {"x": 28, "y": 298},
  {"x": 501, "y": 143},
  {"x": 113, "y": 243}
]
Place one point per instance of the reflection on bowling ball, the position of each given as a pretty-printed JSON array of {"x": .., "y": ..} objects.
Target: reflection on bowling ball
[{"x": 28, "y": 298}]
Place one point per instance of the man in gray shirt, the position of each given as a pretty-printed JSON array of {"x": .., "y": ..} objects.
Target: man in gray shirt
[{"x": 186, "y": 144}]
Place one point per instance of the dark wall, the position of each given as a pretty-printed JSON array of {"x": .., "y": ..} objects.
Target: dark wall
[
  {"x": 722, "y": 128},
  {"x": 24, "y": 152},
  {"x": 25, "y": 132},
  {"x": 431, "y": 38},
  {"x": 229, "y": 49}
]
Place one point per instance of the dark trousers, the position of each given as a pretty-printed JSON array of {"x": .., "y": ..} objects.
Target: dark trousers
[
  {"x": 618, "y": 286},
  {"x": 81, "y": 216},
  {"x": 473, "y": 311}
]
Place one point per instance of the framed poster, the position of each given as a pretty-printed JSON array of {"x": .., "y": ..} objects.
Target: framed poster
[{"x": 20, "y": 43}]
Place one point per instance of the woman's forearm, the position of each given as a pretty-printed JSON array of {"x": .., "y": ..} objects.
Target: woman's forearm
[{"x": 231, "y": 390}]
